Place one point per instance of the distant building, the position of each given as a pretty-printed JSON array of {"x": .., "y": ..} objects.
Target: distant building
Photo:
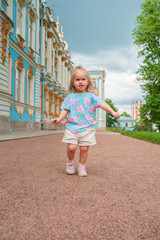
[
  {"x": 35, "y": 66},
  {"x": 135, "y": 107},
  {"x": 125, "y": 122},
  {"x": 97, "y": 74}
]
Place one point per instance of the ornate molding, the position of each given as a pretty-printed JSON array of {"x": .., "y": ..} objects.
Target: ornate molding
[
  {"x": 19, "y": 110},
  {"x": 51, "y": 92},
  {"x": 30, "y": 70},
  {"x": 44, "y": 23},
  {"x": 31, "y": 54},
  {"x": 50, "y": 35},
  {"x": 66, "y": 64},
  {"x": 24, "y": 2},
  {"x": 20, "y": 62},
  {"x": 45, "y": 112},
  {"x": 59, "y": 52},
  {"x": 45, "y": 87},
  {"x": 45, "y": 46},
  {"x": 32, "y": 14},
  {"x": 63, "y": 59},
  {"x": 54, "y": 44},
  {"x": 56, "y": 60},
  {"x": 20, "y": 43},
  {"x": 30, "y": 114},
  {"x": 5, "y": 30}
]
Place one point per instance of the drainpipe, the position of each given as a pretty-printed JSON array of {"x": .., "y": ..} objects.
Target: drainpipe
[
  {"x": 43, "y": 71},
  {"x": 43, "y": 80}
]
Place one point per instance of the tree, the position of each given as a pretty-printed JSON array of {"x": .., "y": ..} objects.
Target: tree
[
  {"x": 125, "y": 114},
  {"x": 147, "y": 37},
  {"x": 110, "y": 120},
  {"x": 144, "y": 123}
]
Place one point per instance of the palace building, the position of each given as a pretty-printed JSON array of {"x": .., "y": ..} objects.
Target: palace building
[
  {"x": 35, "y": 66},
  {"x": 135, "y": 109},
  {"x": 97, "y": 74}
]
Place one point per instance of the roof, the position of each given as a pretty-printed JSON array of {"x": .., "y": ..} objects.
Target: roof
[{"x": 126, "y": 119}]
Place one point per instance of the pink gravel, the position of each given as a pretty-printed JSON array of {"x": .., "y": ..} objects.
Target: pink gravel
[{"x": 120, "y": 198}]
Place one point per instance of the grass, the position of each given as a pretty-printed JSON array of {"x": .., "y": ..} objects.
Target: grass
[{"x": 147, "y": 136}]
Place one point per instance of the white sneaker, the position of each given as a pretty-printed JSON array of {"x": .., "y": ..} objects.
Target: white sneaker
[
  {"x": 82, "y": 170},
  {"x": 70, "y": 167}
]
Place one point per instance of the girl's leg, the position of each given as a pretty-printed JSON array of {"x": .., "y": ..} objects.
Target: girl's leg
[
  {"x": 83, "y": 157},
  {"x": 71, "y": 151},
  {"x": 70, "y": 164},
  {"x": 83, "y": 154}
]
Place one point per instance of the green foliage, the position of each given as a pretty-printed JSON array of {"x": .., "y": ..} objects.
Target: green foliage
[
  {"x": 145, "y": 123},
  {"x": 110, "y": 120},
  {"x": 147, "y": 136},
  {"x": 125, "y": 114},
  {"x": 147, "y": 37}
]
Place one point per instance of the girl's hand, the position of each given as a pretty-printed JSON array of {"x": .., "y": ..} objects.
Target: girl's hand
[
  {"x": 55, "y": 121},
  {"x": 115, "y": 114}
]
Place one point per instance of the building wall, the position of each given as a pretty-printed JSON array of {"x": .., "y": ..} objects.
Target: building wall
[
  {"x": 37, "y": 55},
  {"x": 135, "y": 109},
  {"x": 98, "y": 75}
]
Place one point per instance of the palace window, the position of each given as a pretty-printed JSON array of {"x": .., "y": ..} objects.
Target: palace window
[
  {"x": 29, "y": 89},
  {"x": 21, "y": 21},
  {"x": 30, "y": 86},
  {"x": 10, "y": 10},
  {"x": 18, "y": 85},
  {"x": 94, "y": 84},
  {"x": 9, "y": 73},
  {"x": 30, "y": 33},
  {"x": 19, "y": 18},
  {"x": 31, "y": 29}
]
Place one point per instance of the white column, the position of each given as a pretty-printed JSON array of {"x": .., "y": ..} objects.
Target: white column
[
  {"x": 59, "y": 66},
  {"x": 66, "y": 78},
  {"x": 63, "y": 72},
  {"x": 43, "y": 42},
  {"x": 49, "y": 52},
  {"x": 53, "y": 62}
]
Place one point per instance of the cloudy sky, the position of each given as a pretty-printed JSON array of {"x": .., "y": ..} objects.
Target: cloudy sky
[{"x": 100, "y": 32}]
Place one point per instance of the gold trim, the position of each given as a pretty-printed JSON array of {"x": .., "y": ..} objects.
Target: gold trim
[
  {"x": 20, "y": 43},
  {"x": 45, "y": 23},
  {"x": 56, "y": 60},
  {"x": 45, "y": 87},
  {"x": 59, "y": 52},
  {"x": 31, "y": 12},
  {"x": 49, "y": 34},
  {"x": 5, "y": 30},
  {"x": 30, "y": 70},
  {"x": 20, "y": 62},
  {"x": 31, "y": 54}
]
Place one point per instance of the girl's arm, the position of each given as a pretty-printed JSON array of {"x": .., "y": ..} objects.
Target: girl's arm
[
  {"x": 62, "y": 115},
  {"x": 107, "y": 108}
]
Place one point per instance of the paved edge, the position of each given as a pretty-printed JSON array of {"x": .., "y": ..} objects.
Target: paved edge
[
  {"x": 41, "y": 133},
  {"x": 32, "y": 134}
]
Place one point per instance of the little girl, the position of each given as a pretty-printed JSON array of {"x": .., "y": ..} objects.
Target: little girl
[{"x": 80, "y": 104}]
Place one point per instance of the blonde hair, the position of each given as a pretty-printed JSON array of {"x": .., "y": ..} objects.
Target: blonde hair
[{"x": 72, "y": 87}]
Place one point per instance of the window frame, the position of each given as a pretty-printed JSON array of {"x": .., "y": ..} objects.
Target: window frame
[
  {"x": 20, "y": 30},
  {"x": 18, "y": 99}
]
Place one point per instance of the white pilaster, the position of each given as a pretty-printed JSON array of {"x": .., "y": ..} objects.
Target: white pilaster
[{"x": 49, "y": 55}]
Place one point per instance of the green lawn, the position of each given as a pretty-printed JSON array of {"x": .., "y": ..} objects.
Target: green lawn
[{"x": 147, "y": 136}]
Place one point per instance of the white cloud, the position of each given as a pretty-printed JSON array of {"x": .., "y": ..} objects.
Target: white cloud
[{"x": 120, "y": 65}]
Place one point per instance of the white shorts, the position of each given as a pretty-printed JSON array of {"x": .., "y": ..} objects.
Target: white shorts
[{"x": 85, "y": 138}]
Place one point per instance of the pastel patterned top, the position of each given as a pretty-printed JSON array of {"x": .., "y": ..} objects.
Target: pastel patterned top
[{"x": 81, "y": 111}]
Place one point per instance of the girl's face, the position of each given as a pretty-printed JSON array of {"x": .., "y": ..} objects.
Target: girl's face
[{"x": 80, "y": 82}]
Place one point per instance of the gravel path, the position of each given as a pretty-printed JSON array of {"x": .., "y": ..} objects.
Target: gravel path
[{"x": 120, "y": 198}]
